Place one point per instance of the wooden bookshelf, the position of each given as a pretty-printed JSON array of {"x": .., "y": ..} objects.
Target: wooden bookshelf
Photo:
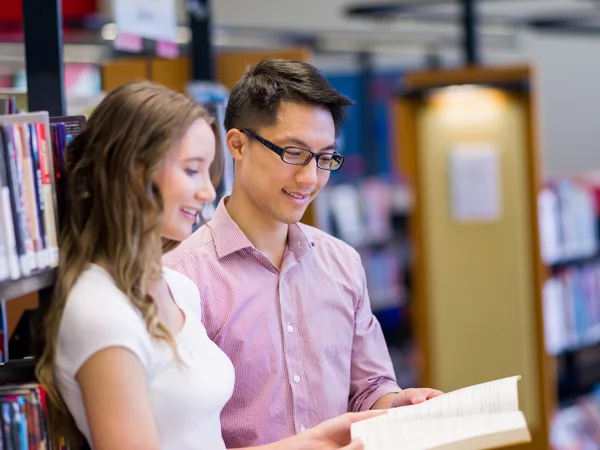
[{"x": 477, "y": 306}]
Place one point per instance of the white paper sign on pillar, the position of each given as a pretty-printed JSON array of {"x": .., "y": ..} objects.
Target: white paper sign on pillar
[
  {"x": 475, "y": 188},
  {"x": 151, "y": 19}
]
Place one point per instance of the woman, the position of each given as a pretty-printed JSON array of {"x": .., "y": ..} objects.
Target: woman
[{"x": 125, "y": 358}]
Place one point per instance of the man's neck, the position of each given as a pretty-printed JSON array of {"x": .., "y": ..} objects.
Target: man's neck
[{"x": 268, "y": 236}]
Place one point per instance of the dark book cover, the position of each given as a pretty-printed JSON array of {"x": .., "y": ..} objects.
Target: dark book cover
[
  {"x": 58, "y": 148},
  {"x": 73, "y": 125}
]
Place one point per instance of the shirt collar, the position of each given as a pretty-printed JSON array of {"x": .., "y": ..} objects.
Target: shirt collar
[
  {"x": 230, "y": 239},
  {"x": 227, "y": 235}
]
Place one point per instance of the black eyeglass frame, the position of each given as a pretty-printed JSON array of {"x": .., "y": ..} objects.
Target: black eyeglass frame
[{"x": 282, "y": 150}]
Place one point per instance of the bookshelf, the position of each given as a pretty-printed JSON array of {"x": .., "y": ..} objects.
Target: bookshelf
[
  {"x": 514, "y": 292},
  {"x": 28, "y": 247},
  {"x": 20, "y": 371},
  {"x": 477, "y": 270},
  {"x": 569, "y": 211},
  {"x": 12, "y": 289}
]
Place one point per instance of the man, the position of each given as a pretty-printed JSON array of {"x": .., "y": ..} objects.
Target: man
[{"x": 287, "y": 302}]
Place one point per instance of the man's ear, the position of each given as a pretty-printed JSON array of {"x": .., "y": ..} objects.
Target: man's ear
[{"x": 235, "y": 144}]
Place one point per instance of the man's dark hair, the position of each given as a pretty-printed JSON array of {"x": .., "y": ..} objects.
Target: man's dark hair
[{"x": 255, "y": 99}]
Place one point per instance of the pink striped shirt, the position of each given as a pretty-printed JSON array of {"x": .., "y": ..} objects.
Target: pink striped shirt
[{"x": 304, "y": 342}]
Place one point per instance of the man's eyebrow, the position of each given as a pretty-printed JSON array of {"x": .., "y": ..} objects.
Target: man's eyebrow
[{"x": 300, "y": 143}]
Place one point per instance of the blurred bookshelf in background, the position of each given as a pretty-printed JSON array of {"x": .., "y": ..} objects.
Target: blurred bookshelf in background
[
  {"x": 569, "y": 214},
  {"x": 372, "y": 215}
]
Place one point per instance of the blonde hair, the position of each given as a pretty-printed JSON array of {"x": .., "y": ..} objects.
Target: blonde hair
[{"x": 113, "y": 211}]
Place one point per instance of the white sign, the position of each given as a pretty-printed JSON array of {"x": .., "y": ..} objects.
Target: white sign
[
  {"x": 152, "y": 19},
  {"x": 475, "y": 182}
]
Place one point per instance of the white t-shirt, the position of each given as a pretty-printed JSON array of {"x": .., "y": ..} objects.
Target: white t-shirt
[{"x": 186, "y": 399}]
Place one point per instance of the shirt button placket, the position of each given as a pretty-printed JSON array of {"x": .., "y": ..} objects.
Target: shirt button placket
[{"x": 292, "y": 356}]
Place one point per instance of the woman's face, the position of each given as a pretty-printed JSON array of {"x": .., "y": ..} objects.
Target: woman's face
[{"x": 184, "y": 180}]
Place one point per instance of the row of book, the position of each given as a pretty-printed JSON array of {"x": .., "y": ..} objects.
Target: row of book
[
  {"x": 568, "y": 212},
  {"x": 24, "y": 419},
  {"x": 31, "y": 177},
  {"x": 571, "y": 304},
  {"x": 384, "y": 269},
  {"x": 361, "y": 213},
  {"x": 29, "y": 228},
  {"x": 8, "y": 104},
  {"x": 577, "y": 427}
]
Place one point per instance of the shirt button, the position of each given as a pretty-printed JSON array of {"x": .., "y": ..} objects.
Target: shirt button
[
  {"x": 302, "y": 428},
  {"x": 290, "y": 328},
  {"x": 297, "y": 378}
]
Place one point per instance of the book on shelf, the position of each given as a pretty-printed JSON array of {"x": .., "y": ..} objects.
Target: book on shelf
[
  {"x": 577, "y": 426},
  {"x": 478, "y": 417},
  {"x": 23, "y": 418},
  {"x": 568, "y": 217},
  {"x": 571, "y": 304},
  {"x": 13, "y": 101},
  {"x": 30, "y": 169}
]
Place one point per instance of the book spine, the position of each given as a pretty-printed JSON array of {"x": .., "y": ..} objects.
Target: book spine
[
  {"x": 19, "y": 220},
  {"x": 39, "y": 192},
  {"x": 22, "y": 131},
  {"x": 18, "y": 155},
  {"x": 7, "y": 228},
  {"x": 4, "y": 242},
  {"x": 7, "y": 426},
  {"x": 45, "y": 157},
  {"x": 59, "y": 140},
  {"x": 29, "y": 413},
  {"x": 33, "y": 416},
  {"x": 16, "y": 424},
  {"x": 24, "y": 426},
  {"x": 43, "y": 419}
]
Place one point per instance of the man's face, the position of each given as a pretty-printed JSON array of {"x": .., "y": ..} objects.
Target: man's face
[{"x": 281, "y": 192}]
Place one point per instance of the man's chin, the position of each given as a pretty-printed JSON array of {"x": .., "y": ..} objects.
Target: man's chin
[{"x": 292, "y": 219}]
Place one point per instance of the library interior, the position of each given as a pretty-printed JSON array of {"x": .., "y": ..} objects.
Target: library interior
[{"x": 470, "y": 187}]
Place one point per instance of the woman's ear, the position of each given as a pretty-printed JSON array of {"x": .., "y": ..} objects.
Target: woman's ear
[{"x": 235, "y": 143}]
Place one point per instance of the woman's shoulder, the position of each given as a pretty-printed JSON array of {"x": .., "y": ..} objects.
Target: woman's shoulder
[
  {"x": 95, "y": 292},
  {"x": 97, "y": 315},
  {"x": 184, "y": 290},
  {"x": 95, "y": 305}
]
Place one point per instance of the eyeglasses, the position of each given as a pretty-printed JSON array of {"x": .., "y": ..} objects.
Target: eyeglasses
[{"x": 297, "y": 156}]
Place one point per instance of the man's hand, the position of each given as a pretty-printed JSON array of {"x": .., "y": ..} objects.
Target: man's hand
[{"x": 406, "y": 397}]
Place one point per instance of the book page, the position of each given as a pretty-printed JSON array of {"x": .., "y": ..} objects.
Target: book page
[
  {"x": 487, "y": 398},
  {"x": 464, "y": 433}
]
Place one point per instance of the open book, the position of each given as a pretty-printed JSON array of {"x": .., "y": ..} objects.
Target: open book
[{"x": 478, "y": 417}]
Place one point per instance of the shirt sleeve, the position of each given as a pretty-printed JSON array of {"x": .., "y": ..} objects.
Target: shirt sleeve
[
  {"x": 97, "y": 319},
  {"x": 372, "y": 373}
]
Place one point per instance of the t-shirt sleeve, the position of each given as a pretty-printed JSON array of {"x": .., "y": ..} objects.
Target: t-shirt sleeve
[{"x": 97, "y": 318}]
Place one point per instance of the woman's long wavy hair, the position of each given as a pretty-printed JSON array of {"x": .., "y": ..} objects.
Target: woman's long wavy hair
[{"x": 114, "y": 211}]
